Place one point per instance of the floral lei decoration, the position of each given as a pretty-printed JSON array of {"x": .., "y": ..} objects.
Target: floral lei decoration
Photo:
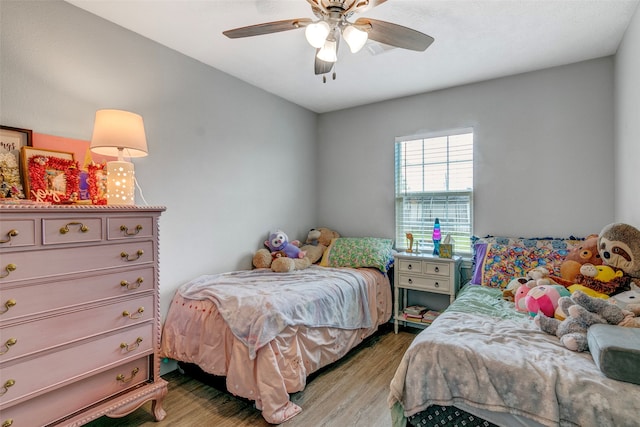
[
  {"x": 38, "y": 166},
  {"x": 97, "y": 193}
]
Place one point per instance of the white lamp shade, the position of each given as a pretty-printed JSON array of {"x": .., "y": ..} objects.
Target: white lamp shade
[
  {"x": 120, "y": 183},
  {"x": 354, "y": 37},
  {"x": 117, "y": 131},
  {"x": 328, "y": 52},
  {"x": 317, "y": 33}
]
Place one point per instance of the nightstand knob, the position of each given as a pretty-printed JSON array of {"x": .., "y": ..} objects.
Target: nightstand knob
[
  {"x": 437, "y": 285},
  {"x": 437, "y": 270},
  {"x": 409, "y": 267},
  {"x": 410, "y": 281}
]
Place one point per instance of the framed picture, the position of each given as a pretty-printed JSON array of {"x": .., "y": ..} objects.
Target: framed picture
[
  {"x": 50, "y": 176},
  {"x": 11, "y": 141}
]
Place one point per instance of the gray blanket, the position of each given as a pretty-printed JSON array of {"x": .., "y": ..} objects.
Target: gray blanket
[{"x": 482, "y": 353}]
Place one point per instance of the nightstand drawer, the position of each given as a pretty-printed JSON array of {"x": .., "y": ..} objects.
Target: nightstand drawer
[
  {"x": 406, "y": 266},
  {"x": 437, "y": 268},
  {"x": 425, "y": 283}
]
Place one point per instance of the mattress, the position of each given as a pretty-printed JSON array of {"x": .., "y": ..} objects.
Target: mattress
[
  {"x": 201, "y": 330},
  {"x": 484, "y": 357}
]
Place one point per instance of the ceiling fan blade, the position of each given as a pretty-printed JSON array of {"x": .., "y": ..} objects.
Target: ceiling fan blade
[
  {"x": 320, "y": 66},
  {"x": 267, "y": 28},
  {"x": 395, "y": 35}
]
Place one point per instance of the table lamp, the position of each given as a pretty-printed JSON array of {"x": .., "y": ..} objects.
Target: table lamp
[{"x": 119, "y": 133}]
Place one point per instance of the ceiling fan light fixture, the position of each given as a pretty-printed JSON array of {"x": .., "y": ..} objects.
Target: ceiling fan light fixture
[
  {"x": 317, "y": 33},
  {"x": 329, "y": 53},
  {"x": 354, "y": 37}
]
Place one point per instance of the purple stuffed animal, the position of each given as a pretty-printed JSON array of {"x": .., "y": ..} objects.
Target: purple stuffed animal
[{"x": 279, "y": 241}]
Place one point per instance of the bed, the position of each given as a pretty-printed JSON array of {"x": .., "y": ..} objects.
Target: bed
[
  {"x": 484, "y": 359},
  {"x": 267, "y": 332}
]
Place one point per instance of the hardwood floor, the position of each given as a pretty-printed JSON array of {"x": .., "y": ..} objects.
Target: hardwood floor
[{"x": 351, "y": 392}]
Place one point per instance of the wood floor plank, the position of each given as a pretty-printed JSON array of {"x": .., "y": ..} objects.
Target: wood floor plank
[{"x": 350, "y": 392}]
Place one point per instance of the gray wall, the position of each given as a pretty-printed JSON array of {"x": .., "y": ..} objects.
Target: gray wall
[
  {"x": 545, "y": 158},
  {"x": 627, "y": 161},
  {"x": 543, "y": 153},
  {"x": 218, "y": 147}
]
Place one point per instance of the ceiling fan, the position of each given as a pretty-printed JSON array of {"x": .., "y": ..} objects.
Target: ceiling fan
[{"x": 333, "y": 24}]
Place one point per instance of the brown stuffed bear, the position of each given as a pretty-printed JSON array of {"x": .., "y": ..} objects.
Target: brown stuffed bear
[
  {"x": 314, "y": 249},
  {"x": 587, "y": 252}
]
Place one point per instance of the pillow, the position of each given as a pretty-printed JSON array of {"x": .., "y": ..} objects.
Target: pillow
[
  {"x": 498, "y": 260},
  {"x": 356, "y": 252}
]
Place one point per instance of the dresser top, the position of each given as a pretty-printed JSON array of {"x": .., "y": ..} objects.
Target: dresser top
[{"x": 79, "y": 208}]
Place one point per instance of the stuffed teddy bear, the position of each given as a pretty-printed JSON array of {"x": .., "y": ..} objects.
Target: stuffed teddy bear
[
  {"x": 280, "y": 262},
  {"x": 279, "y": 241},
  {"x": 582, "y": 312},
  {"x": 587, "y": 252},
  {"x": 326, "y": 235}
]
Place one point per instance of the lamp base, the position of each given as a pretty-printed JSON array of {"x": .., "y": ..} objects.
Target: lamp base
[{"x": 120, "y": 183}]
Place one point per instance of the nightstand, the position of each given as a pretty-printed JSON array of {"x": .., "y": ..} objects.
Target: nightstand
[{"x": 425, "y": 273}]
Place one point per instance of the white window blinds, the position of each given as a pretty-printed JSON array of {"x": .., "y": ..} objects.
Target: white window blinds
[{"x": 434, "y": 179}]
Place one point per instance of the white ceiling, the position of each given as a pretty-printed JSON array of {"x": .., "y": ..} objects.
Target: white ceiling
[{"x": 475, "y": 40}]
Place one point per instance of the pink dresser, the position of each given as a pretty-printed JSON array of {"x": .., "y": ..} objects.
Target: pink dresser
[{"x": 79, "y": 313}]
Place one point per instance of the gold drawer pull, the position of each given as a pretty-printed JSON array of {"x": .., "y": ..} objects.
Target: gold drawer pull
[
  {"x": 8, "y": 343},
  {"x": 134, "y": 285},
  {"x": 136, "y": 315},
  {"x": 10, "y": 303},
  {"x": 125, "y": 380},
  {"x": 131, "y": 347},
  {"x": 126, "y": 231},
  {"x": 8, "y": 269},
  {"x": 8, "y": 423},
  {"x": 126, "y": 256},
  {"x": 6, "y": 386},
  {"x": 65, "y": 229},
  {"x": 11, "y": 233}
]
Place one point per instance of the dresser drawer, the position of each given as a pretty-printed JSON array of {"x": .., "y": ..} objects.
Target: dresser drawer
[
  {"x": 33, "y": 375},
  {"x": 30, "y": 337},
  {"x": 129, "y": 228},
  {"x": 59, "y": 403},
  {"x": 410, "y": 266},
  {"x": 17, "y": 233},
  {"x": 63, "y": 261},
  {"x": 27, "y": 299},
  {"x": 425, "y": 283},
  {"x": 56, "y": 231}
]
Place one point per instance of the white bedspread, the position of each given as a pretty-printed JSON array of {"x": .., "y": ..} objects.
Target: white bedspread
[
  {"x": 506, "y": 364},
  {"x": 259, "y": 304}
]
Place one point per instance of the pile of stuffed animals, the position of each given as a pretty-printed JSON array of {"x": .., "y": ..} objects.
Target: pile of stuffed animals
[
  {"x": 595, "y": 286},
  {"x": 283, "y": 256}
]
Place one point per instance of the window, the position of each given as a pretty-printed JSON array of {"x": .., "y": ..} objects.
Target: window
[{"x": 434, "y": 179}]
